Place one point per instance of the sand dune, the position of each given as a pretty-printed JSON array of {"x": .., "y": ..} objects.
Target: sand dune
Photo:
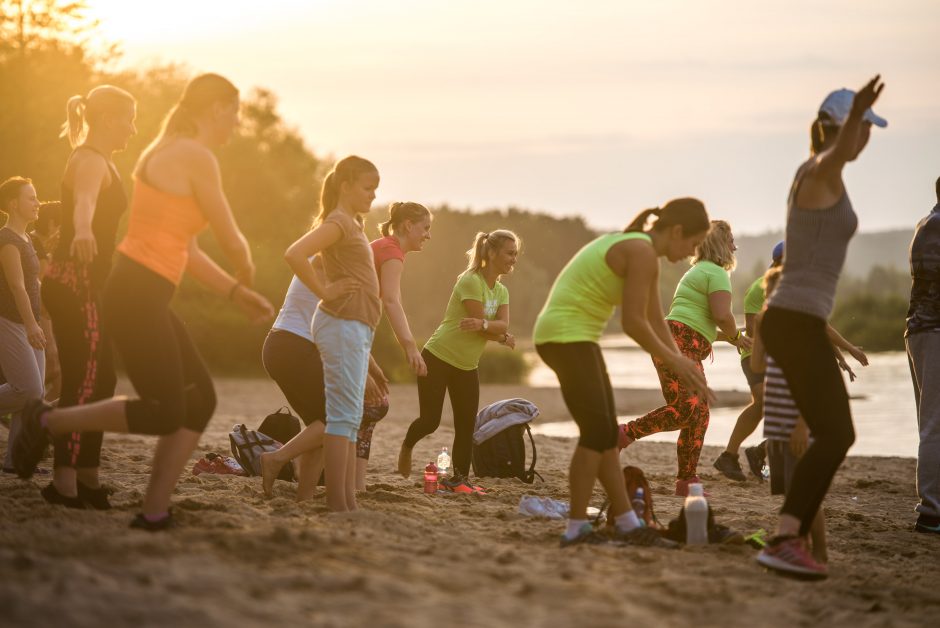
[{"x": 408, "y": 559}]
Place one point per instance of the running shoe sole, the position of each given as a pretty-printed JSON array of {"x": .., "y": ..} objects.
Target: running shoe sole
[
  {"x": 786, "y": 568},
  {"x": 30, "y": 446}
]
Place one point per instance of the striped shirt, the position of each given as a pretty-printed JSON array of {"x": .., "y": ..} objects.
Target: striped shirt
[{"x": 780, "y": 411}]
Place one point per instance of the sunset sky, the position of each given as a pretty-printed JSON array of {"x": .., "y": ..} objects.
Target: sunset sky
[{"x": 599, "y": 109}]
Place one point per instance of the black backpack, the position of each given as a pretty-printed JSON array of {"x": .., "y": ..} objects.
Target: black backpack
[
  {"x": 503, "y": 455},
  {"x": 248, "y": 445}
]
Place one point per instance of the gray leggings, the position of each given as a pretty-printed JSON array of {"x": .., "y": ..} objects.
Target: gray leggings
[{"x": 24, "y": 369}]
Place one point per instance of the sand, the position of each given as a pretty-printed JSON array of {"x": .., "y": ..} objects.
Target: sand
[{"x": 409, "y": 559}]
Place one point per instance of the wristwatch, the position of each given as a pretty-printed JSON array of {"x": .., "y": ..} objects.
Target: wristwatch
[{"x": 486, "y": 324}]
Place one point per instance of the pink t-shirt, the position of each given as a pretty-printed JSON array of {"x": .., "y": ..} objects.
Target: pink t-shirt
[{"x": 384, "y": 249}]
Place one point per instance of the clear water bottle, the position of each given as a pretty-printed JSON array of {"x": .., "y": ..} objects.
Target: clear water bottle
[
  {"x": 639, "y": 503},
  {"x": 443, "y": 462},
  {"x": 696, "y": 516}
]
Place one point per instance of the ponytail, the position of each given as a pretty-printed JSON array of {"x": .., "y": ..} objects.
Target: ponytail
[
  {"x": 400, "y": 212},
  {"x": 689, "y": 213},
  {"x": 486, "y": 243},
  {"x": 639, "y": 222},
  {"x": 83, "y": 112},
  {"x": 822, "y": 129},
  {"x": 346, "y": 170}
]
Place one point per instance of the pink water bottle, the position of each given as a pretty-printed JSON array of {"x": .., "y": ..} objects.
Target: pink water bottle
[{"x": 430, "y": 478}]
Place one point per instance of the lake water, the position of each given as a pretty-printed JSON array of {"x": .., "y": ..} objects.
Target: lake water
[{"x": 882, "y": 397}]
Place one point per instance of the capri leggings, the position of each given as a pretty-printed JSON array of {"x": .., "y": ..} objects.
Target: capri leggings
[
  {"x": 464, "y": 389},
  {"x": 799, "y": 345},
  {"x": 586, "y": 389},
  {"x": 294, "y": 363},
  {"x": 173, "y": 384},
  {"x": 72, "y": 300}
]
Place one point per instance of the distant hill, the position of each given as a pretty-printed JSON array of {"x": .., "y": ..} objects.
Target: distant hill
[{"x": 882, "y": 248}]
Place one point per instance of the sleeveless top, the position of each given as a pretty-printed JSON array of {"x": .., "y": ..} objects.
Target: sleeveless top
[
  {"x": 109, "y": 207},
  {"x": 816, "y": 244},
  {"x": 30, "y": 263},
  {"x": 584, "y": 295},
  {"x": 300, "y": 304}
]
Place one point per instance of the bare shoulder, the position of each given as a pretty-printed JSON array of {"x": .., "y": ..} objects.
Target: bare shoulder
[{"x": 631, "y": 253}]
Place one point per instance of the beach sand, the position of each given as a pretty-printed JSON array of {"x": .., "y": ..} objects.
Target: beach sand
[{"x": 410, "y": 559}]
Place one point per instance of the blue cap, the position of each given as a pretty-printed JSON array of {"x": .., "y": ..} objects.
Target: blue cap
[{"x": 778, "y": 254}]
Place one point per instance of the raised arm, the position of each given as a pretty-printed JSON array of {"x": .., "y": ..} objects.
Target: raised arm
[
  {"x": 89, "y": 175},
  {"x": 391, "y": 301},
  {"x": 831, "y": 161},
  {"x": 13, "y": 273}
]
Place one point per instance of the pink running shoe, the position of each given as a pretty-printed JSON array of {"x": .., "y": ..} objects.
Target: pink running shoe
[
  {"x": 624, "y": 439},
  {"x": 788, "y": 555}
]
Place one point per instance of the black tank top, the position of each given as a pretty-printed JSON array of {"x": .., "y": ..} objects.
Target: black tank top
[{"x": 110, "y": 205}]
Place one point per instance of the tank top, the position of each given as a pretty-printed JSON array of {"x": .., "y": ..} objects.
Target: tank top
[
  {"x": 300, "y": 304},
  {"x": 109, "y": 207},
  {"x": 160, "y": 228},
  {"x": 816, "y": 245},
  {"x": 584, "y": 295},
  {"x": 30, "y": 266}
]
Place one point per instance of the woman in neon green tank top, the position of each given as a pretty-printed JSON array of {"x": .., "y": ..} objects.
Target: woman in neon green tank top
[
  {"x": 700, "y": 314},
  {"x": 619, "y": 269}
]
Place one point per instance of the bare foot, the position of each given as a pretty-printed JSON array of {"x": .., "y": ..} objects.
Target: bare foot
[
  {"x": 404, "y": 461},
  {"x": 270, "y": 469}
]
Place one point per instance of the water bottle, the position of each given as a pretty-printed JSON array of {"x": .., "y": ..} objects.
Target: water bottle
[
  {"x": 443, "y": 462},
  {"x": 430, "y": 478},
  {"x": 639, "y": 503},
  {"x": 696, "y": 516}
]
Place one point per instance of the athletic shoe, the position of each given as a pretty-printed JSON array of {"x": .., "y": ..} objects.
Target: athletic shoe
[
  {"x": 682, "y": 486},
  {"x": 587, "y": 535},
  {"x": 643, "y": 537},
  {"x": 727, "y": 463},
  {"x": 97, "y": 498},
  {"x": 928, "y": 524},
  {"x": 457, "y": 484},
  {"x": 141, "y": 523},
  {"x": 756, "y": 456},
  {"x": 32, "y": 441},
  {"x": 624, "y": 439},
  {"x": 788, "y": 555},
  {"x": 52, "y": 495}
]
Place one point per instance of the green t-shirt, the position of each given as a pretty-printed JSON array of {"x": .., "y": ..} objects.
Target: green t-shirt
[
  {"x": 463, "y": 349},
  {"x": 690, "y": 303},
  {"x": 753, "y": 302},
  {"x": 584, "y": 295}
]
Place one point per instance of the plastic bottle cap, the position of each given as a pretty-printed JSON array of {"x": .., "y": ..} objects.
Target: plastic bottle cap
[{"x": 696, "y": 490}]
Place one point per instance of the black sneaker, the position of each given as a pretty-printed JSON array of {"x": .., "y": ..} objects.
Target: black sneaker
[
  {"x": 97, "y": 498},
  {"x": 644, "y": 537},
  {"x": 729, "y": 466},
  {"x": 141, "y": 523},
  {"x": 52, "y": 495},
  {"x": 756, "y": 457},
  {"x": 927, "y": 524},
  {"x": 31, "y": 443}
]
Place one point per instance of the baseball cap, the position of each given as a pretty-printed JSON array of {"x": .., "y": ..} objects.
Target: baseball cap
[
  {"x": 777, "y": 254},
  {"x": 838, "y": 106}
]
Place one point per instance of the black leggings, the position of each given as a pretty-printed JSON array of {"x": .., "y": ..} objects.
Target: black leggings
[
  {"x": 585, "y": 387},
  {"x": 799, "y": 345},
  {"x": 294, "y": 363},
  {"x": 160, "y": 358},
  {"x": 464, "y": 389},
  {"x": 84, "y": 355}
]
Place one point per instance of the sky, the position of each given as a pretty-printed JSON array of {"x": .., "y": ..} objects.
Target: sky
[{"x": 596, "y": 109}]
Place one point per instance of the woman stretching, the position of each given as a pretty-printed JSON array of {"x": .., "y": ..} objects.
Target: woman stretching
[
  {"x": 820, "y": 223},
  {"x": 478, "y": 311},
  {"x": 93, "y": 201},
  {"x": 345, "y": 319},
  {"x": 292, "y": 360},
  {"x": 177, "y": 192},
  {"x": 22, "y": 341},
  {"x": 616, "y": 269},
  {"x": 700, "y": 314}
]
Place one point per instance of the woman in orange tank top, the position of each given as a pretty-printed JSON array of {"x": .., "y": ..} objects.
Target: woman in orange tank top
[{"x": 177, "y": 193}]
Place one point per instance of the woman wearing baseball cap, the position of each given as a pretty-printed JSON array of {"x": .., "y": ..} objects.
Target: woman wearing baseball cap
[{"x": 820, "y": 223}]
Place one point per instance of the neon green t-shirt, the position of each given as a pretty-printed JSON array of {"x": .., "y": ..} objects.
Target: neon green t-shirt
[
  {"x": 753, "y": 303},
  {"x": 463, "y": 349},
  {"x": 584, "y": 295},
  {"x": 690, "y": 303}
]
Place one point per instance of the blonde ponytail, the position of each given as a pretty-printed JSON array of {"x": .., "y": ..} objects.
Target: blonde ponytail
[{"x": 485, "y": 244}]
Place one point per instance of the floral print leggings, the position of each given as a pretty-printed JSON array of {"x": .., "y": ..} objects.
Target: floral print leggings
[{"x": 684, "y": 411}]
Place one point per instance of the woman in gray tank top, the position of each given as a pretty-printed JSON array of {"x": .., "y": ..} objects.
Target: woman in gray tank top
[{"x": 820, "y": 223}]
